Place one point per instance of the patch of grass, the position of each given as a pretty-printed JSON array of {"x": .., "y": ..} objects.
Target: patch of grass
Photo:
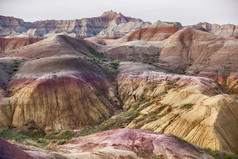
[
  {"x": 230, "y": 157},
  {"x": 218, "y": 154},
  {"x": 67, "y": 135},
  {"x": 93, "y": 129},
  {"x": 130, "y": 113},
  {"x": 188, "y": 105},
  {"x": 9, "y": 134},
  {"x": 95, "y": 53},
  {"x": 14, "y": 69},
  {"x": 32, "y": 144},
  {"x": 180, "y": 139},
  {"x": 209, "y": 151},
  {"x": 36, "y": 133}
]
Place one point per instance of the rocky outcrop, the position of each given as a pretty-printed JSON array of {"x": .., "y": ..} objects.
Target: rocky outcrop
[
  {"x": 129, "y": 143},
  {"x": 7, "y": 44},
  {"x": 193, "y": 108},
  {"x": 109, "y": 24},
  {"x": 226, "y": 29}
]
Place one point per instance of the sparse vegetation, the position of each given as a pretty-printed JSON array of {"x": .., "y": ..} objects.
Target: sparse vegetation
[
  {"x": 115, "y": 64},
  {"x": 67, "y": 135},
  {"x": 61, "y": 142},
  {"x": 93, "y": 129},
  {"x": 97, "y": 92},
  {"x": 180, "y": 139},
  {"x": 189, "y": 105},
  {"x": 9, "y": 134},
  {"x": 36, "y": 133},
  {"x": 95, "y": 53},
  {"x": 133, "y": 112}
]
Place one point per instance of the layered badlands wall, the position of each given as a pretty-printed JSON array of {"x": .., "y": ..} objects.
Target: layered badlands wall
[
  {"x": 193, "y": 108},
  {"x": 110, "y": 24}
]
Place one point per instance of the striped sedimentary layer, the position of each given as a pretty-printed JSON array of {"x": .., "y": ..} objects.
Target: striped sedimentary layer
[
  {"x": 193, "y": 108},
  {"x": 57, "y": 93}
]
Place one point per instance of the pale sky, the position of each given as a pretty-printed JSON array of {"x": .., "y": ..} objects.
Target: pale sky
[{"x": 185, "y": 11}]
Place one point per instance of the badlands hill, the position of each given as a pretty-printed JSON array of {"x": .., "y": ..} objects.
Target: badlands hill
[{"x": 178, "y": 84}]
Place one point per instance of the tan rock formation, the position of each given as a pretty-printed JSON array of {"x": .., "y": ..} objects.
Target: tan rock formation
[{"x": 192, "y": 108}]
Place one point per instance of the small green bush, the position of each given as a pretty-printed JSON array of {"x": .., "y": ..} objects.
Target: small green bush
[{"x": 115, "y": 64}]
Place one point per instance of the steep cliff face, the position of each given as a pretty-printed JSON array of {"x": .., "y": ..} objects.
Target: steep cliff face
[
  {"x": 109, "y": 24},
  {"x": 193, "y": 108},
  {"x": 226, "y": 29}
]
